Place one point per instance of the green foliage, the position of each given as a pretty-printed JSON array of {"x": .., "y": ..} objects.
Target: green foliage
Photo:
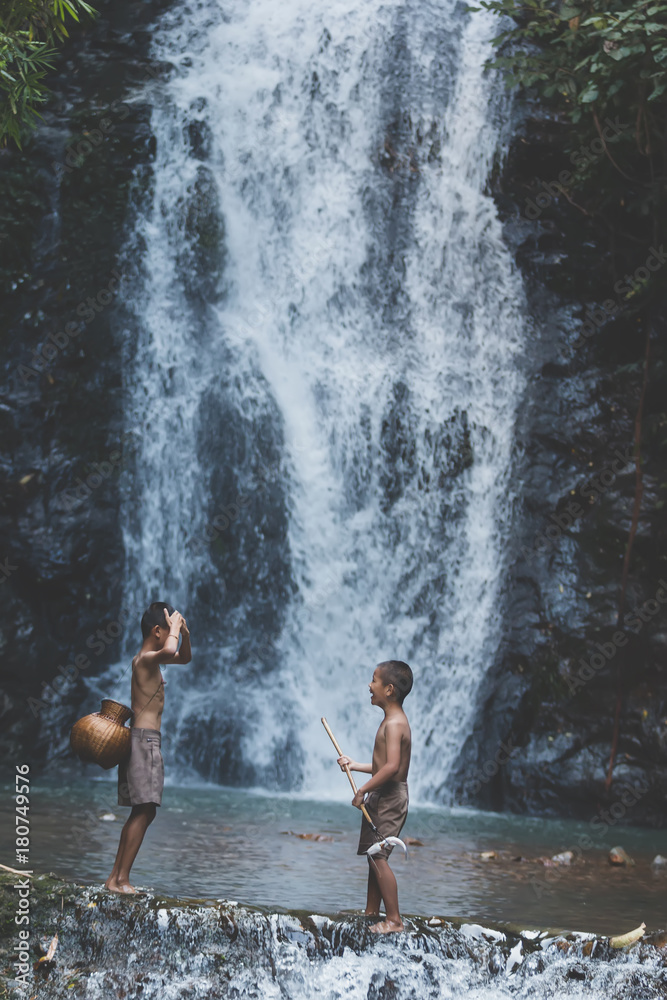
[
  {"x": 29, "y": 32},
  {"x": 594, "y": 59}
]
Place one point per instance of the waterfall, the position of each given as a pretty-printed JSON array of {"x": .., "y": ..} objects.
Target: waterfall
[{"x": 322, "y": 370}]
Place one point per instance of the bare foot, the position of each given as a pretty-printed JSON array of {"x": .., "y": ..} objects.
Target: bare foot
[
  {"x": 124, "y": 888},
  {"x": 387, "y": 927}
]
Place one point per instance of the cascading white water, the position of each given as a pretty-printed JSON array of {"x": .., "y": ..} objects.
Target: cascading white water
[{"x": 328, "y": 326}]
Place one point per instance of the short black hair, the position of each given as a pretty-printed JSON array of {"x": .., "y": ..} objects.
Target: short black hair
[
  {"x": 399, "y": 674},
  {"x": 154, "y": 615}
]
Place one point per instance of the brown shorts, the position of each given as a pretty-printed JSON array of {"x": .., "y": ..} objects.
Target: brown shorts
[
  {"x": 388, "y": 808},
  {"x": 141, "y": 775}
]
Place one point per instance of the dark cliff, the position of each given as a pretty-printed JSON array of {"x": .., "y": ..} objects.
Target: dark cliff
[{"x": 583, "y": 640}]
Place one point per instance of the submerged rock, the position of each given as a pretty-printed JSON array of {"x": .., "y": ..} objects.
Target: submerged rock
[
  {"x": 307, "y": 836},
  {"x": 565, "y": 858},
  {"x": 618, "y": 856}
]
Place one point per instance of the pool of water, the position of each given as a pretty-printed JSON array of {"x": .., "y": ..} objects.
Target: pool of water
[{"x": 228, "y": 844}]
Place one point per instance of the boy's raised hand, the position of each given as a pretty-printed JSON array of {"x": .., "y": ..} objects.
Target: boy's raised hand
[
  {"x": 345, "y": 762},
  {"x": 175, "y": 620}
]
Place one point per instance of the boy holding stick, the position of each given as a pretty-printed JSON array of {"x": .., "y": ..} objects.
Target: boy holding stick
[{"x": 387, "y": 789}]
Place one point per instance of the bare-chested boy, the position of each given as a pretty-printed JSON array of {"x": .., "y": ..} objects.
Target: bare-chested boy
[
  {"x": 387, "y": 790},
  {"x": 141, "y": 776}
]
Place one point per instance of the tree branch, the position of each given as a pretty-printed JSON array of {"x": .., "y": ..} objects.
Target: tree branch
[
  {"x": 639, "y": 492},
  {"x": 606, "y": 149}
]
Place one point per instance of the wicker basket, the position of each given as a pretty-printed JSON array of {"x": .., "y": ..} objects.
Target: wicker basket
[{"x": 103, "y": 738}]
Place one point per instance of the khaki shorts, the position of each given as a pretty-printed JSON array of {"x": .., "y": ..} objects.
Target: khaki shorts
[
  {"x": 141, "y": 775},
  {"x": 388, "y": 808}
]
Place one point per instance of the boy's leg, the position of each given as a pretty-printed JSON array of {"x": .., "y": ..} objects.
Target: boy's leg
[
  {"x": 373, "y": 894},
  {"x": 130, "y": 841},
  {"x": 386, "y": 881}
]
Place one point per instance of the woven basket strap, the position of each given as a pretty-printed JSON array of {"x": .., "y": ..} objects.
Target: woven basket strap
[{"x": 134, "y": 721}]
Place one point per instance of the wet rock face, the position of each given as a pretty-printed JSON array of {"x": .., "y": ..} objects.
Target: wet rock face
[
  {"x": 66, "y": 200},
  {"x": 202, "y": 259},
  {"x": 152, "y": 947},
  {"x": 553, "y": 692}
]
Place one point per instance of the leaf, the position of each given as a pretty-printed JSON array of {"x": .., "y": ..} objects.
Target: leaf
[
  {"x": 589, "y": 95},
  {"x": 624, "y": 940},
  {"x": 619, "y": 53},
  {"x": 51, "y": 952}
]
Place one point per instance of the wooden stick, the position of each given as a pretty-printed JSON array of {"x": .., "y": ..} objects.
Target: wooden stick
[
  {"x": 15, "y": 871},
  {"x": 347, "y": 771}
]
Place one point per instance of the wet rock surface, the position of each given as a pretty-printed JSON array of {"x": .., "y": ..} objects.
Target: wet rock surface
[
  {"x": 150, "y": 946},
  {"x": 552, "y": 695}
]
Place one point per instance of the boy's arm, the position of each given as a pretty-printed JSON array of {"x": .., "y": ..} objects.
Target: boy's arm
[
  {"x": 353, "y": 765},
  {"x": 164, "y": 655},
  {"x": 184, "y": 654}
]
